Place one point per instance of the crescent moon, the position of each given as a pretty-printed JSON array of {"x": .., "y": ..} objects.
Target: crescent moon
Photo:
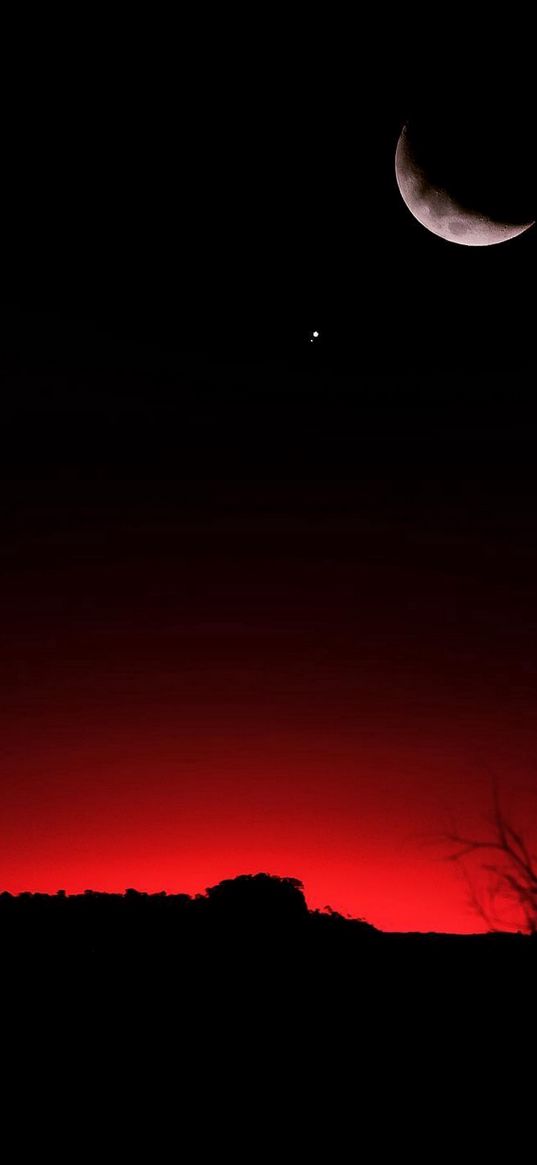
[{"x": 441, "y": 214}]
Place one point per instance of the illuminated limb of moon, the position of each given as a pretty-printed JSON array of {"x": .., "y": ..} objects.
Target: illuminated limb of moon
[{"x": 439, "y": 213}]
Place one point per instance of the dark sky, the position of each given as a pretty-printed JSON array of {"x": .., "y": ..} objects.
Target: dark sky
[{"x": 265, "y": 604}]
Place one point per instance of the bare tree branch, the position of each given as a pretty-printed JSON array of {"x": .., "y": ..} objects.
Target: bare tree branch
[{"x": 512, "y": 875}]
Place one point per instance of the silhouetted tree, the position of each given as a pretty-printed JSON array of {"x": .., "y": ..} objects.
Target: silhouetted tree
[
  {"x": 258, "y": 900},
  {"x": 510, "y": 874}
]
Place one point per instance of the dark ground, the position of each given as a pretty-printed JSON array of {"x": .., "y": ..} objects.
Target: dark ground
[{"x": 242, "y": 1018}]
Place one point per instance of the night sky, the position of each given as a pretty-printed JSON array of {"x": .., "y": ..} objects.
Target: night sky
[{"x": 265, "y": 604}]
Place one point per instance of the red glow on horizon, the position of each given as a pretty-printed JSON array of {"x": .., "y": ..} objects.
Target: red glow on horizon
[
  {"x": 357, "y": 821},
  {"x": 313, "y": 680}
]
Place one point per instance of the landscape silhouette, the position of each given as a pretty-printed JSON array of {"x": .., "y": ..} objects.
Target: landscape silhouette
[
  {"x": 243, "y": 1005},
  {"x": 253, "y": 922}
]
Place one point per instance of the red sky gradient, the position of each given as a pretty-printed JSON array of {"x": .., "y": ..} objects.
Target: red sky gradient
[
  {"x": 250, "y": 723},
  {"x": 356, "y": 819},
  {"x": 308, "y": 658}
]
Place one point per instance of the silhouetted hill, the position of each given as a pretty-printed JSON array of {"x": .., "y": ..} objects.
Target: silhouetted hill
[
  {"x": 252, "y": 920},
  {"x": 237, "y": 918},
  {"x": 241, "y": 1004}
]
